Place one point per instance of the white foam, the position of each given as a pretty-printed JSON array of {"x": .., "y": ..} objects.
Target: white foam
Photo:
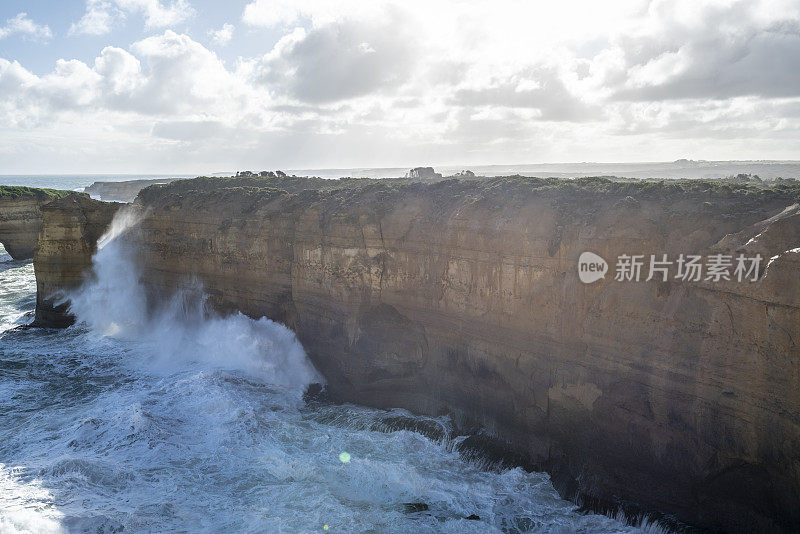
[
  {"x": 168, "y": 420},
  {"x": 26, "y": 507},
  {"x": 181, "y": 331}
]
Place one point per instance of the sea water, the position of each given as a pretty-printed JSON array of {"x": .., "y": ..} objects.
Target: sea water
[
  {"x": 179, "y": 420},
  {"x": 75, "y": 182}
]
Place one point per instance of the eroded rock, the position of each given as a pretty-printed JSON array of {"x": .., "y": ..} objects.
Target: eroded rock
[
  {"x": 71, "y": 227},
  {"x": 463, "y": 298}
]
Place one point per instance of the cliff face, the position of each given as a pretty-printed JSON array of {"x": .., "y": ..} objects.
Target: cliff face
[
  {"x": 71, "y": 227},
  {"x": 20, "y": 223},
  {"x": 21, "y": 218},
  {"x": 464, "y": 298}
]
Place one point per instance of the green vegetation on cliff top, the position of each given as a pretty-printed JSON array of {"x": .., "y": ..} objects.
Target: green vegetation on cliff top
[
  {"x": 289, "y": 184},
  {"x": 573, "y": 199},
  {"x": 19, "y": 191},
  {"x": 510, "y": 186}
]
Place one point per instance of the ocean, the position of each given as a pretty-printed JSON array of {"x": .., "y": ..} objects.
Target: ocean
[
  {"x": 76, "y": 182},
  {"x": 178, "y": 420}
]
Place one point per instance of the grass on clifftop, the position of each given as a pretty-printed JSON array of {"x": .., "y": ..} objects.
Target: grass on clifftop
[
  {"x": 289, "y": 184},
  {"x": 20, "y": 191},
  {"x": 510, "y": 187}
]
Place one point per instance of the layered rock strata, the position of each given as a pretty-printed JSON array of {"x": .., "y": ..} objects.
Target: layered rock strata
[
  {"x": 463, "y": 298},
  {"x": 21, "y": 219},
  {"x": 71, "y": 227}
]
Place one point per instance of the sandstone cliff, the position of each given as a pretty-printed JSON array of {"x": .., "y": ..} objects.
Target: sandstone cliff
[
  {"x": 463, "y": 298},
  {"x": 71, "y": 227},
  {"x": 21, "y": 218}
]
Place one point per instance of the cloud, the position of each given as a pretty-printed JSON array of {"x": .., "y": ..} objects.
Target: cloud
[
  {"x": 389, "y": 81},
  {"x": 72, "y": 84},
  {"x": 165, "y": 75},
  {"x": 158, "y": 15},
  {"x": 688, "y": 50},
  {"x": 97, "y": 20},
  {"x": 188, "y": 130},
  {"x": 24, "y": 26},
  {"x": 536, "y": 88},
  {"x": 101, "y": 15},
  {"x": 270, "y": 13},
  {"x": 337, "y": 61},
  {"x": 223, "y": 35},
  {"x": 120, "y": 72},
  {"x": 184, "y": 76}
]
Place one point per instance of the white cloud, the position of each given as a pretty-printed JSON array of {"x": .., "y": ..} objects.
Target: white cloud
[
  {"x": 97, "y": 20},
  {"x": 538, "y": 88},
  {"x": 157, "y": 14},
  {"x": 356, "y": 83},
  {"x": 120, "y": 72},
  {"x": 635, "y": 49},
  {"x": 270, "y": 13},
  {"x": 101, "y": 15},
  {"x": 223, "y": 35},
  {"x": 338, "y": 61},
  {"x": 184, "y": 76},
  {"x": 24, "y": 26},
  {"x": 166, "y": 76}
]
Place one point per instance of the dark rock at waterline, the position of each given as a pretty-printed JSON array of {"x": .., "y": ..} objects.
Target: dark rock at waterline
[
  {"x": 428, "y": 428},
  {"x": 414, "y": 507},
  {"x": 493, "y": 452},
  {"x": 316, "y": 393}
]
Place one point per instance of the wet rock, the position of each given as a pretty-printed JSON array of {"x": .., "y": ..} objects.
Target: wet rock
[
  {"x": 316, "y": 394},
  {"x": 414, "y": 507}
]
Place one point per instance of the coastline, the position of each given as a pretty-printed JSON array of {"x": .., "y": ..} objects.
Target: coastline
[{"x": 429, "y": 297}]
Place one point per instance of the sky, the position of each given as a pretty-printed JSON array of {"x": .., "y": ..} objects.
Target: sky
[{"x": 201, "y": 86}]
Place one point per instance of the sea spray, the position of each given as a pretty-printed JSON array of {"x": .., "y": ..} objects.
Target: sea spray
[
  {"x": 111, "y": 302},
  {"x": 137, "y": 421},
  {"x": 181, "y": 330},
  {"x": 15, "y": 277},
  {"x": 17, "y": 516}
]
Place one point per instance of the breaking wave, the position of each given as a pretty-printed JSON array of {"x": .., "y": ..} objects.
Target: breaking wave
[
  {"x": 182, "y": 331},
  {"x": 173, "y": 418}
]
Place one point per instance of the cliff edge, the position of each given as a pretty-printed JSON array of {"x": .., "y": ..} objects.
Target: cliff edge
[
  {"x": 21, "y": 218},
  {"x": 71, "y": 227},
  {"x": 464, "y": 298}
]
